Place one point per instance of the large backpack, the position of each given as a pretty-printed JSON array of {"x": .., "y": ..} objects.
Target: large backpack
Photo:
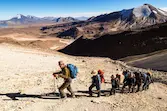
[
  {"x": 101, "y": 73},
  {"x": 73, "y": 70}
]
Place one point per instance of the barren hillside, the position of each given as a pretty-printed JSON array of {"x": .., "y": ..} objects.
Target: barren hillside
[{"x": 117, "y": 46}]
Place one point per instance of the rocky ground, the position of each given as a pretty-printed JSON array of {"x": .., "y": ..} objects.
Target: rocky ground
[{"x": 26, "y": 74}]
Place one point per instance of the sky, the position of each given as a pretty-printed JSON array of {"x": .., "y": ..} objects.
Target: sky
[{"x": 74, "y": 8}]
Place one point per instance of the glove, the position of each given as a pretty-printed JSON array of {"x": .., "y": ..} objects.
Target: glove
[{"x": 55, "y": 75}]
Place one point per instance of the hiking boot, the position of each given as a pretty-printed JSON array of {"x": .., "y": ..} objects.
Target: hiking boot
[
  {"x": 98, "y": 95},
  {"x": 110, "y": 93},
  {"x": 73, "y": 96},
  {"x": 64, "y": 97},
  {"x": 90, "y": 95}
]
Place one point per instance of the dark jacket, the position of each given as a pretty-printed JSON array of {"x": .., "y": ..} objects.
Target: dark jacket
[
  {"x": 113, "y": 83},
  {"x": 96, "y": 80}
]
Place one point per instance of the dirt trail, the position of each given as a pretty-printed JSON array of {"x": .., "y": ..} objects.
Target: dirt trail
[{"x": 29, "y": 72}]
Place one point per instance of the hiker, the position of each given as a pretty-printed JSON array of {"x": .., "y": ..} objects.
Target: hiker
[
  {"x": 138, "y": 81},
  {"x": 146, "y": 81},
  {"x": 65, "y": 73},
  {"x": 114, "y": 85},
  {"x": 125, "y": 74},
  {"x": 101, "y": 73},
  {"x": 149, "y": 79},
  {"x": 150, "y": 75},
  {"x": 129, "y": 80},
  {"x": 118, "y": 79},
  {"x": 96, "y": 82}
]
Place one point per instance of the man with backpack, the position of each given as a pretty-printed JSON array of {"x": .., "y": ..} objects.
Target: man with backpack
[
  {"x": 146, "y": 81},
  {"x": 129, "y": 80},
  {"x": 68, "y": 73}
]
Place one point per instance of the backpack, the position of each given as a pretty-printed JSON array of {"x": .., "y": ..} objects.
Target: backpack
[
  {"x": 118, "y": 77},
  {"x": 73, "y": 70},
  {"x": 113, "y": 82},
  {"x": 101, "y": 73}
]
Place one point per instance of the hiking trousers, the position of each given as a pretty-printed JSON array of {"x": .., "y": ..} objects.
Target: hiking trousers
[
  {"x": 66, "y": 84},
  {"x": 97, "y": 87},
  {"x": 146, "y": 85},
  {"x": 128, "y": 82},
  {"x": 113, "y": 90}
]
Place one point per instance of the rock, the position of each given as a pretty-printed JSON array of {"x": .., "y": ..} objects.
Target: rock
[
  {"x": 32, "y": 101},
  {"x": 20, "y": 107},
  {"x": 159, "y": 98},
  {"x": 83, "y": 61},
  {"x": 93, "y": 101},
  {"x": 39, "y": 82}
]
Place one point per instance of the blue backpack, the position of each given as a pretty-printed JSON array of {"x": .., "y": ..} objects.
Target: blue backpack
[{"x": 73, "y": 70}]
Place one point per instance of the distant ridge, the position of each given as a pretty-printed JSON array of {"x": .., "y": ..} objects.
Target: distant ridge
[
  {"x": 20, "y": 19},
  {"x": 127, "y": 19}
]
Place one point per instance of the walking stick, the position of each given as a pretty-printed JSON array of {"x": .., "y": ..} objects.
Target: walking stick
[{"x": 54, "y": 85}]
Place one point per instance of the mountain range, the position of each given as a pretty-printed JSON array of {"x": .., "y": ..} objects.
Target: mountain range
[
  {"x": 140, "y": 30},
  {"x": 127, "y": 19},
  {"x": 135, "y": 17},
  {"x": 28, "y": 20}
]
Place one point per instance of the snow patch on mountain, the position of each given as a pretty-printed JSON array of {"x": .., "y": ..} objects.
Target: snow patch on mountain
[
  {"x": 162, "y": 11},
  {"x": 142, "y": 11},
  {"x": 18, "y": 16},
  {"x": 155, "y": 11}
]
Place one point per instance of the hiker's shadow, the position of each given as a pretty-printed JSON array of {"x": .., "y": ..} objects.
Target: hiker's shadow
[
  {"x": 15, "y": 96},
  {"x": 54, "y": 96},
  {"x": 103, "y": 92}
]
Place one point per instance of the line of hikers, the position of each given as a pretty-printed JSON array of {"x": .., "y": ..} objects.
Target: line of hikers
[{"x": 131, "y": 79}]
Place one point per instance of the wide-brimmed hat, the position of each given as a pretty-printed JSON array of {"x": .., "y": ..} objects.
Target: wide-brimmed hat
[{"x": 94, "y": 72}]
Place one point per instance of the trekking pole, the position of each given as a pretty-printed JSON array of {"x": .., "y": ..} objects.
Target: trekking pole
[{"x": 54, "y": 89}]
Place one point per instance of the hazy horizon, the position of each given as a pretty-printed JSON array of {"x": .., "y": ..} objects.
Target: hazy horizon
[{"x": 72, "y": 8}]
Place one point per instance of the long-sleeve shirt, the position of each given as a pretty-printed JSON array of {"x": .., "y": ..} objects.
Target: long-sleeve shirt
[{"x": 66, "y": 72}]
